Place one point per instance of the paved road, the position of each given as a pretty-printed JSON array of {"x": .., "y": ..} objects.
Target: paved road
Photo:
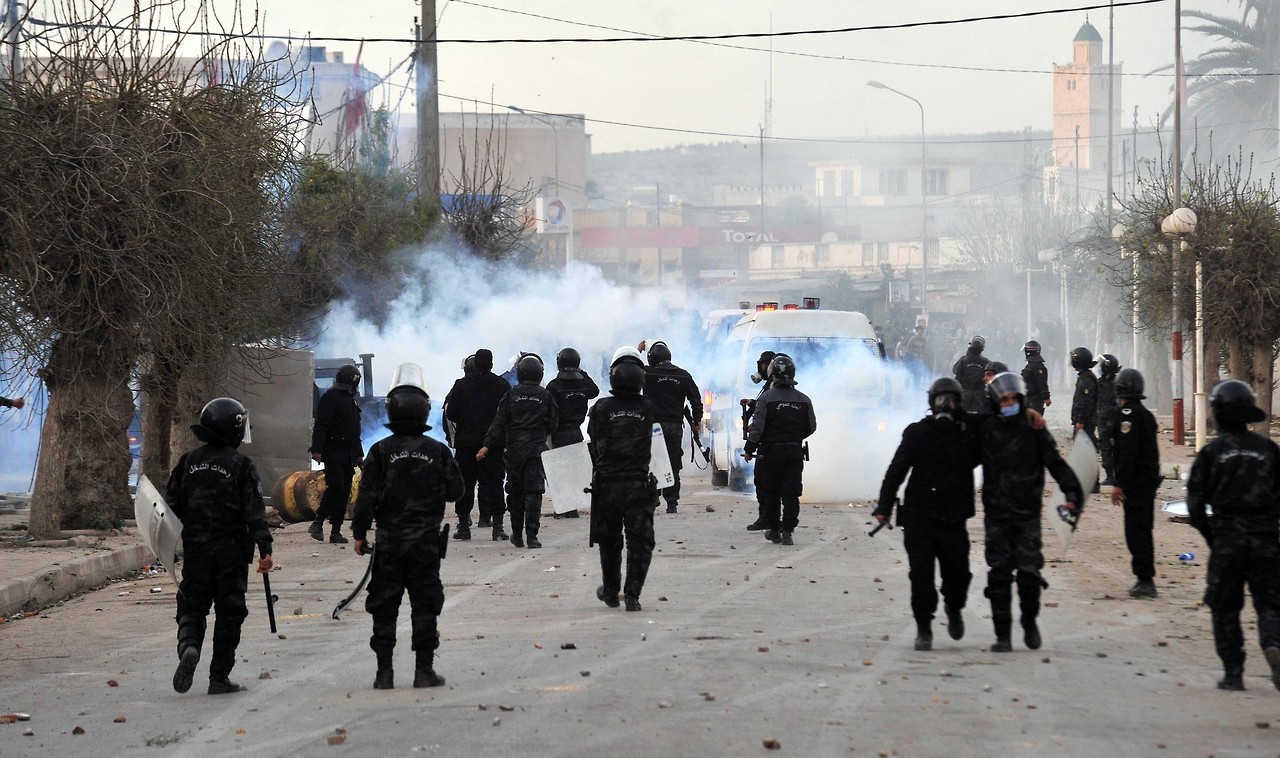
[{"x": 739, "y": 641}]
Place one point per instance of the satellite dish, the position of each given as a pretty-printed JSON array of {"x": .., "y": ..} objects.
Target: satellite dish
[
  {"x": 277, "y": 51},
  {"x": 829, "y": 237}
]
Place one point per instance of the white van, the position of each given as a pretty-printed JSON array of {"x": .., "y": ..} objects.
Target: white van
[{"x": 839, "y": 364}]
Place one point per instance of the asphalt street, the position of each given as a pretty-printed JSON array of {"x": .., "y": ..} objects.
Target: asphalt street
[{"x": 740, "y": 641}]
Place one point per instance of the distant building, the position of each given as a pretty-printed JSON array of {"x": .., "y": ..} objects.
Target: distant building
[{"x": 1081, "y": 92}]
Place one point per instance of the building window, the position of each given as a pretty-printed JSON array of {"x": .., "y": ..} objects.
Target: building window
[
  {"x": 1071, "y": 84},
  {"x": 822, "y": 254},
  {"x": 829, "y": 183},
  {"x": 893, "y": 182},
  {"x": 778, "y": 256},
  {"x": 868, "y": 254},
  {"x": 936, "y": 180},
  {"x": 846, "y": 183}
]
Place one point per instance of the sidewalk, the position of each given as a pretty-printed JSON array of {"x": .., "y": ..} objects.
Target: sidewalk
[{"x": 37, "y": 576}]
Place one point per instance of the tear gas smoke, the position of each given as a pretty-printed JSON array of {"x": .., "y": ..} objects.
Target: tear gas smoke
[{"x": 467, "y": 304}]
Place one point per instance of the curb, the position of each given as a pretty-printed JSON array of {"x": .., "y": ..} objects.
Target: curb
[{"x": 55, "y": 583}]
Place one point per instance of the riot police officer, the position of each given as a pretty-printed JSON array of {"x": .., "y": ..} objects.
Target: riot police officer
[
  {"x": 1036, "y": 376},
  {"x": 469, "y": 408},
  {"x": 782, "y": 421},
  {"x": 623, "y": 492},
  {"x": 1084, "y": 402},
  {"x": 670, "y": 387},
  {"x": 1239, "y": 475},
  {"x": 214, "y": 491},
  {"x": 1014, "y": 457},
  {"x": 1131, "y": 438},
  {"x": 407, "y": 479},
  {"x": 572, "y": 388},
  {"x": 940, "y": 451},
  {"x": 526, "y": 417},
  {"x": 748, "y": 408},
  {"x": 1108, "y": 409},
  {"x": 970, "y": 370},
  {"x": 335, "y": 442}
]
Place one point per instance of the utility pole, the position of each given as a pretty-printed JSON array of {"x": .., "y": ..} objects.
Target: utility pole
[
  {"x": 1075, "y": 211},
  {"x": 1111, "y": 104},
  {"x": 1175, "y": 169},
  {"x": 12, "y": 29},
  {"x": 428, "y": 92}
]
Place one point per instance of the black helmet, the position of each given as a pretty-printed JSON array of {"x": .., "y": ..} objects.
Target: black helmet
[
  {"x": 529, "y": 369},
  {"x": 1082, "y": 358},
  {"x": 782, "y": 371},
  {"x": 945, "y": 386},
  {"x": 1233, "y": 404},
  {"x": 1031, "y": 347},
  {"x": 978, "y": 343},
  {"x": 626, "y": 371},
  {"x": 1004, "y": 383},
  {"x": 408, "y": 404},
  {"x": 469, "y": 365},
  {"x": 995, "y": 367},
  {"x": 347, "y": 378},
  {"x": 222, "y": 422},
  {"x": 1110, "y": 364},
  {"x": 1129, "y": 383},
  {"x": 568, "y": 358},
  {"x": 659, "y": 353}
]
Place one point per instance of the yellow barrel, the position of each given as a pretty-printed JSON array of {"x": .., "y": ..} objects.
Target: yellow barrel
[{"x": 296, "y": 496}]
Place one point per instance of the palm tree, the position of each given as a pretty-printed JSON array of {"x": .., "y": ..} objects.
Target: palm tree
[{"x": 1233, "y": 89}]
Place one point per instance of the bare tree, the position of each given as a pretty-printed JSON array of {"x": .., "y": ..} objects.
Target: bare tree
[
  {"x": 139, "y": 194},
  {"x": 488, "y": 213}
]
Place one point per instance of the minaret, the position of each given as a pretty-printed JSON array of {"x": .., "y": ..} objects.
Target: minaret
[{"x": 1080, "y": 100}]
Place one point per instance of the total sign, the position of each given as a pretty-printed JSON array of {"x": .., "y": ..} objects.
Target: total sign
[{"x": 554, "y": 216}]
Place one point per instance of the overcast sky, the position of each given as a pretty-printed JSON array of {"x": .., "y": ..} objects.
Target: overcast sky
[{"x": 712, "y": 88}]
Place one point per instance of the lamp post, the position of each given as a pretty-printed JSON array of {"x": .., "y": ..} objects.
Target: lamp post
[
  {"x": 555, "y": 139},
  {"x": 1177, "y": 226},
  {"x": 924, "y": 209},
  {"x": 1118, "y": 233}
]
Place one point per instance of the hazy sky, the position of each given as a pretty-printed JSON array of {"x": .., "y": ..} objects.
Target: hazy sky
[{"x": 712, "y": 88}]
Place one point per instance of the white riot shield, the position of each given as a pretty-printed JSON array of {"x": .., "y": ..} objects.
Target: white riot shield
[
  {"x": 659, "y": 463},
  {"x": 160, "y": 528},
  {"x": 568, "y": 471},
  {"x": 1083, "y": 460}
]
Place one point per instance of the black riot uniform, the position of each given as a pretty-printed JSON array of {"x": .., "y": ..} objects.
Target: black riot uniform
[
  {"x": 407, "y": 479},
  {"x": 783, "y": 419},
  {"x": 970, "y": 370},
  {"x": 526, "y": 417},
  {"x": 335, "y": 442},
  {"x": 1106, "y": 413},
  {"x": 469, "y": 408},
  {"x": 1238, "y": 474},
  {"x": 1036, "y": 376},
  {"x": 623, "y": 492},
  {"x": 214, "y": 491},
  {"x": 1131, "y": 437},
  {"x": 573, "y": 389},
  {"x": 940, "y": 451},
  {"x": 761, "y": 376},
  {"x": 1014, "y": 458},
  {"x": 1084, "y": 403},
  {"x": 669, "y": 387}
]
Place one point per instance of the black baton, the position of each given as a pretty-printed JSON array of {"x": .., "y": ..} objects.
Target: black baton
[{"x": 271, "y": 600}]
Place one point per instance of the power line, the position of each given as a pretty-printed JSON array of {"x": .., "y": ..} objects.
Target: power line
[
  {"x": 633, "y": 38},
  {"x": 799, "y": 54}
]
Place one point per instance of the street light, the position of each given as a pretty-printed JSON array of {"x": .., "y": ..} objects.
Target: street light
[
  {"x": 555, "y": 138},
  {"x": 1057, "y": 259},
  {"x": 1178, "y": 225},
  {"x": 924, "y": 210},
  {"x": 1118, "y": 233}
]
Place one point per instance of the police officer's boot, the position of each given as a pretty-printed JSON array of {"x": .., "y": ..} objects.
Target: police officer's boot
[
  {"x": 955, "y": 623},
  {"x": 495, "y": 521},
  {"x": 464, "y": 531},
  {"x": 1110, "y": 480},
  {"x": 385, "y": 678},
  {"x": 187, "y": 660},
  {"x": 924, "y": 634},
  {"x": 1273, "y": 658},
  {"x": 1001, "y": 617},
  {"x": 611, "y": 570},
  {"x": 423, "y": 674},
  {"x": 517, "y": 529},
  {"x": 1232, "y": 679},
  {"x": 336, "y": 537},
  {"x": 1029, "y": 600},
  {"x": 532, "y": 520},
  {"x": 317, "y": 529}
]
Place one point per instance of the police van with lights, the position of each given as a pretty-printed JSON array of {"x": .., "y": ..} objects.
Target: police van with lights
[{"x": 840, "y": 366}]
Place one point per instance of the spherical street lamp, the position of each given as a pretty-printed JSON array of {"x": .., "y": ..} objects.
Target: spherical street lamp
[{"x": 1178, "y": 225}]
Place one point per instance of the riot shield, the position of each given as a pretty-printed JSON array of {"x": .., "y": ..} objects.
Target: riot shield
[
  {"x": 659, "y": 463},
  {"x": 568, "y": 471},
  {"x": 161, "y": 530},
  {"x": 1083, "y": 460}
]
